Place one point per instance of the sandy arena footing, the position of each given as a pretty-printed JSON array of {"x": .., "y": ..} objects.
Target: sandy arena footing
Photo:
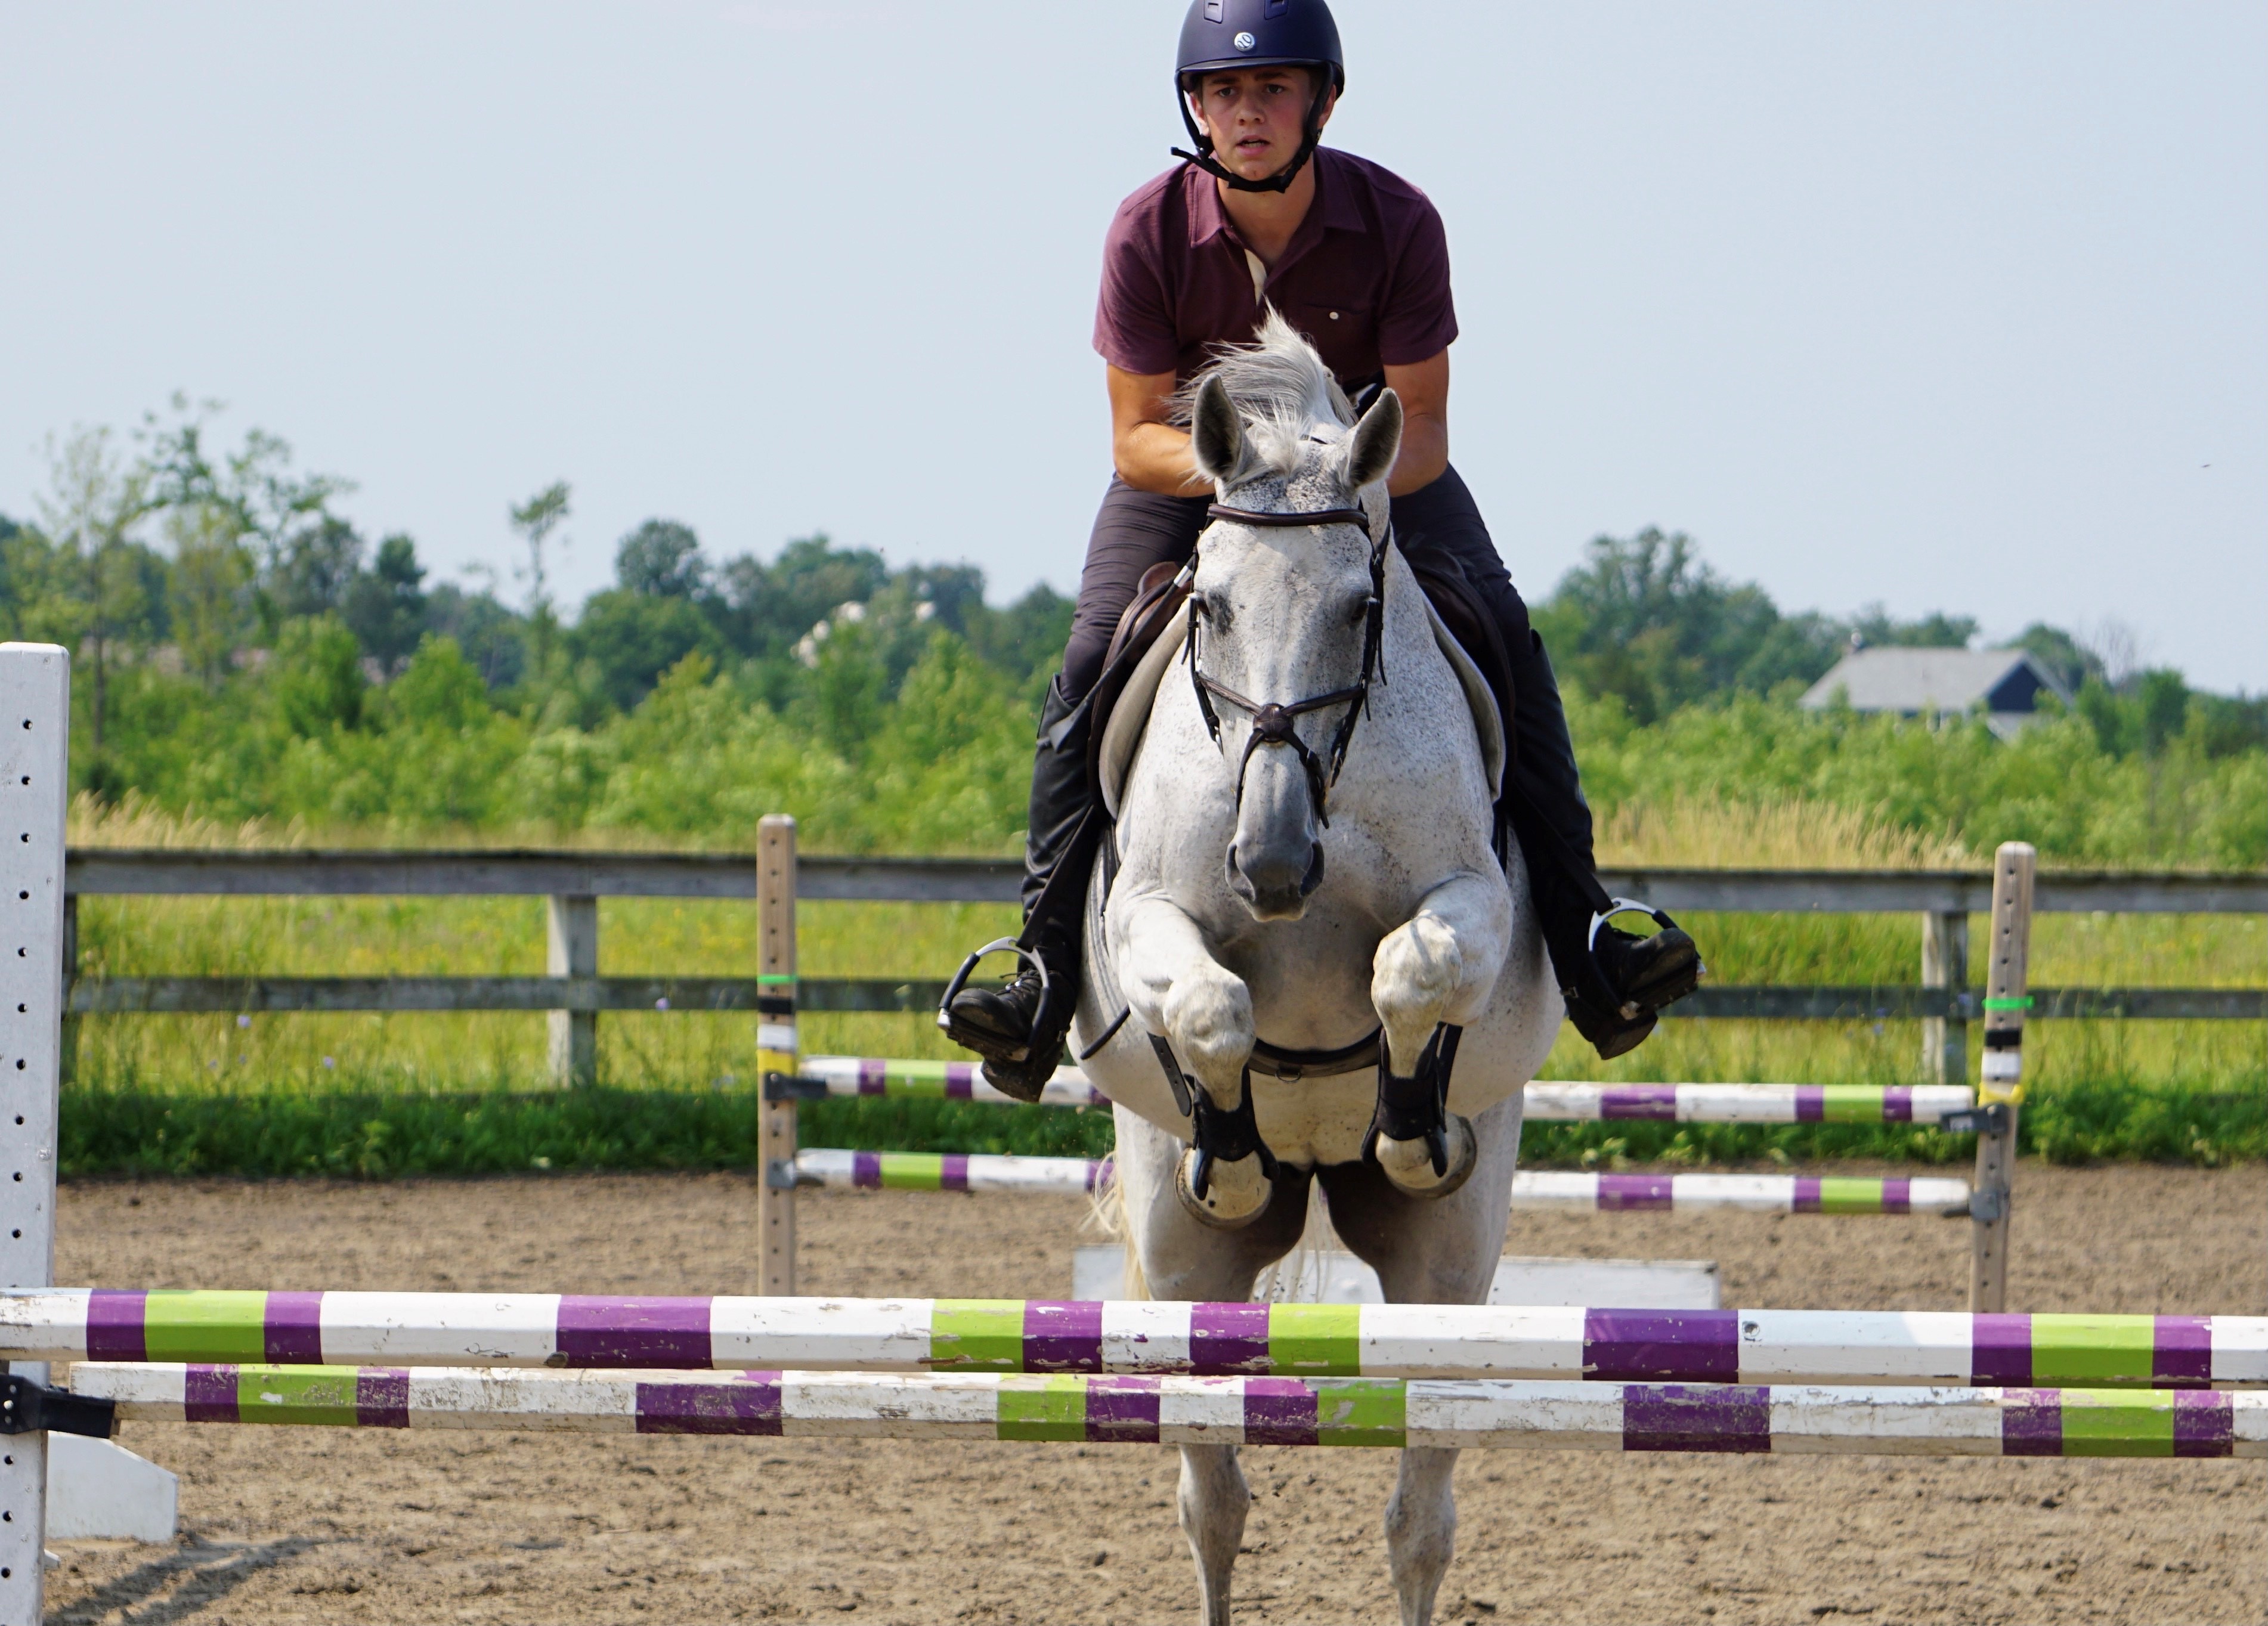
[{"x": 301, "y": 1525}]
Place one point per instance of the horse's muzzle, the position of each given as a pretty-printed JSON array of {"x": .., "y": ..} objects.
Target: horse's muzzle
[{"x": 1275, "y": 884}]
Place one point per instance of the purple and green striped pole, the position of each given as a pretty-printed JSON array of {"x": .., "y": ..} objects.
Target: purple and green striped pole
[
  {"x": 1755, "y": 1193},
  {"x": 1136, "y": 1337},
  {"x": 1761, "y": 1194},
  {"x": 1192, "y": 1410},
  {"x": 952, "y": 1081},
  {"x": 1547, "y": 1103},
  {"x": 1553, "y": 1102},
  {"x": 945, "y": 1171}
]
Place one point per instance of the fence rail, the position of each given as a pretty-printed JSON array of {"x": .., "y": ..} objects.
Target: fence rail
[
  {"x": 180, "y": 871},
  {"x": 574, "y": 994},
  {"x": 123, "y": 996}
]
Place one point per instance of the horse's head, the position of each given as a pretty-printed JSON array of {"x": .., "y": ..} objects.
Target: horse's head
[{"x": 1284, "y": 617}]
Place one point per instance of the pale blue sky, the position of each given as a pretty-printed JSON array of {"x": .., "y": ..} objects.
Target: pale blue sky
[{"x": 1947, "y": 306}]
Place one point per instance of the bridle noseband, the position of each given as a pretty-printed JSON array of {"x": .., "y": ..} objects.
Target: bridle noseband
[{"x": 1275, "y": 723}]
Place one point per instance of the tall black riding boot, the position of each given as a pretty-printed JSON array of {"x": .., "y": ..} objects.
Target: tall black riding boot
[
  {"x": 1018, "y": 1029},
  {"x": 1614, "y": 983}
]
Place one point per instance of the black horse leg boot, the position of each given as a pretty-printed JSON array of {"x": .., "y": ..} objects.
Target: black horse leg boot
[{"x": 1019, "y": 1029}]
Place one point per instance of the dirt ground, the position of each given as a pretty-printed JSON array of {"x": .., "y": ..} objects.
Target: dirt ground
[{"x": 312, "y": 1525}]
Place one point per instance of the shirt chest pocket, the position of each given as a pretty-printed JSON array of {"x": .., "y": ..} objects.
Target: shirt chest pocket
[
  {"x": 1345, "y": 334},
  {"x": 1326, "y": 318}
]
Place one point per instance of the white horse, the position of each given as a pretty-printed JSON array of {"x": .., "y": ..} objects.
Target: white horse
[{"x": 1271, "y": 906}]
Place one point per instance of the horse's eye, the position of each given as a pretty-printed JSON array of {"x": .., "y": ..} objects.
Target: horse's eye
[{"x": 1361, "y": 609}]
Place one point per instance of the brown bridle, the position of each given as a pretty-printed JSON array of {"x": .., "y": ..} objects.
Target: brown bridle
[{"x": 1274, "y": 723}]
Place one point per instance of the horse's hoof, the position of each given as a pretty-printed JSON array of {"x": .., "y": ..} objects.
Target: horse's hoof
[
  {"x": 1236, "y": 1194},
  {"x": 1408, "y": 1165}
]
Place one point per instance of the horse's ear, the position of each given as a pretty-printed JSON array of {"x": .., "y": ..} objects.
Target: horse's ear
[
  {"x": 1216, "y": 431},
  {"x": 1376, "y": 442}
]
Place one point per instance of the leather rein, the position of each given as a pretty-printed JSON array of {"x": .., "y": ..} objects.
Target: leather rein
[{"x": 1275, "y": 723}]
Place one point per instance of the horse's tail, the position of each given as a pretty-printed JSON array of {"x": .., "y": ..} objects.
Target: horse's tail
[{"x": 1106, "y": 1217}]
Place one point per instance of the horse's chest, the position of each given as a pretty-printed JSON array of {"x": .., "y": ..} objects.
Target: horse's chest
[{"x": 1313, "y": 1120}]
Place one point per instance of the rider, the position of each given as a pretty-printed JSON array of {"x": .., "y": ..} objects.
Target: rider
[{"x": 1355, "y": 258}]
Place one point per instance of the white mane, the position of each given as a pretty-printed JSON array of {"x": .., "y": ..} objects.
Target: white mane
[{"x": 1280, "y": 388}]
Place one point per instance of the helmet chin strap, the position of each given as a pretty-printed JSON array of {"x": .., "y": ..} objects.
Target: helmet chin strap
[{"x": 1281, "y": 180}]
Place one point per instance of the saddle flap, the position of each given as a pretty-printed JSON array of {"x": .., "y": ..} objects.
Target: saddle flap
[
  {"x": 1130, "y": 713},
  {"x": 1488, "y": 722}
]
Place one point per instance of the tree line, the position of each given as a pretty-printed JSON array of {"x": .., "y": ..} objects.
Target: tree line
[{"x": 243, "y": 649}]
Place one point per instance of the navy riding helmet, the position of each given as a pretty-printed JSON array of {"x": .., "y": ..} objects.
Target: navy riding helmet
[{"x": 1220, "y": 36}]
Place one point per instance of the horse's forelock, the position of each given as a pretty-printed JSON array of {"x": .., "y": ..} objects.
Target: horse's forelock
[{"x": 1281, "y": 389}]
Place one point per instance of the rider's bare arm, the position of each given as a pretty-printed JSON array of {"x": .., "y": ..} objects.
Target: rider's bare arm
[
  {"x": 1424, "y": 388},
  {"x": 1153, "y": 455}
]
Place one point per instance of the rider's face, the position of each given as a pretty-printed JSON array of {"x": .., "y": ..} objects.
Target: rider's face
[{"x": 1256, "y": 117}]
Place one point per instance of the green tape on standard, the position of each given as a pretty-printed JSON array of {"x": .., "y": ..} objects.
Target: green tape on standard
[
  {"x": 2081, "y": 1350},
  {"x": 1315, "y": 1339},
  {"x": 1051, "y": 1408},
  {"x": 775, "y": 979},
  {"x": 1373, "y": 1411},
  {"x": 316, "y": 1396},
  {"x": 976, "y": 1335},
  {"x": 206, "y": 1327},
  {"x": 1845, "y": 1195},
  {"x": 2115, "y": 1422},
  {"x": 2022, "y": 1002}
]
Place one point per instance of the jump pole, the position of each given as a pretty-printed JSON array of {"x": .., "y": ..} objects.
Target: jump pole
[
  {"x": 1390, "y": 1413},
  {"x": 775, "y": 1053},
  {"x": 1548, "y": 1101},
  {"x": 34, "y": 797},
  {"x": 2001, "y": 1089},
  {"x": 1529, "y": 1343},
  {"x": 834, "y": 1169}
]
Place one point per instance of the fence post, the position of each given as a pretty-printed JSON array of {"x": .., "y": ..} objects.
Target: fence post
[
  {"x": 2007, "y": 976},
  {"x": 574, "y": 951},
  {"x": 775, "y": 1053},
  {"x": 34, "y": 745},
  {"x": 1944, "y": 964}
]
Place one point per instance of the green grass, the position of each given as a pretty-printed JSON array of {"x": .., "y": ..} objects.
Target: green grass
[{"x": 394, "y": 1134}]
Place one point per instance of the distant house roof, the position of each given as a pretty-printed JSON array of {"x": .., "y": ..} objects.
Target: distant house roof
[{"x": 1915, "y": 682}]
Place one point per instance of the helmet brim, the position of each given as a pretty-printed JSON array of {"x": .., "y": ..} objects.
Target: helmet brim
[{"x": 1232, "y": 64}]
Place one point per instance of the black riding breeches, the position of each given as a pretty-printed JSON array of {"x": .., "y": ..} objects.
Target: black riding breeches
[{"x": 1137, "y": 529}]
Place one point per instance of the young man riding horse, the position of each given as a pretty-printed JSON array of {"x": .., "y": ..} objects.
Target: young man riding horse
[{"x": 1355, "y": 258}]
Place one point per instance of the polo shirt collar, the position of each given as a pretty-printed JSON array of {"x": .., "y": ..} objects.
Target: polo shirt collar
[{"x": 1334, "y": 209}]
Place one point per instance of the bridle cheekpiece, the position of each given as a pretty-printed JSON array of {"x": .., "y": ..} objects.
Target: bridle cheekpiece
[{"x": 1275, "y": 723}]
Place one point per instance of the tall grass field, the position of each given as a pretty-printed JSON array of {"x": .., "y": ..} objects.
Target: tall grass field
[{"x": 372, "y": 1095}]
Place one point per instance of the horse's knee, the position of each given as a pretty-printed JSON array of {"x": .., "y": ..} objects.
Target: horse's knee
[
  {"x": 1418, "y": 968},
  {"x": 1208, "y": 1016}
]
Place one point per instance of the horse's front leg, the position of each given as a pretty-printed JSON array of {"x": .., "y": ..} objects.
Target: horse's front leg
[
  {"x": 1176, "y": 988},
  {"x": 1438, "y": 967}
]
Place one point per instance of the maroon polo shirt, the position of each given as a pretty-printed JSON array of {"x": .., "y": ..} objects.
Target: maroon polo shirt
[{"x": 1365, "y": 276}]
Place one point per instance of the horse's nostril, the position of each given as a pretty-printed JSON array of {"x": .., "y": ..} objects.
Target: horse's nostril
[{"x": 1313, "y": 877}]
